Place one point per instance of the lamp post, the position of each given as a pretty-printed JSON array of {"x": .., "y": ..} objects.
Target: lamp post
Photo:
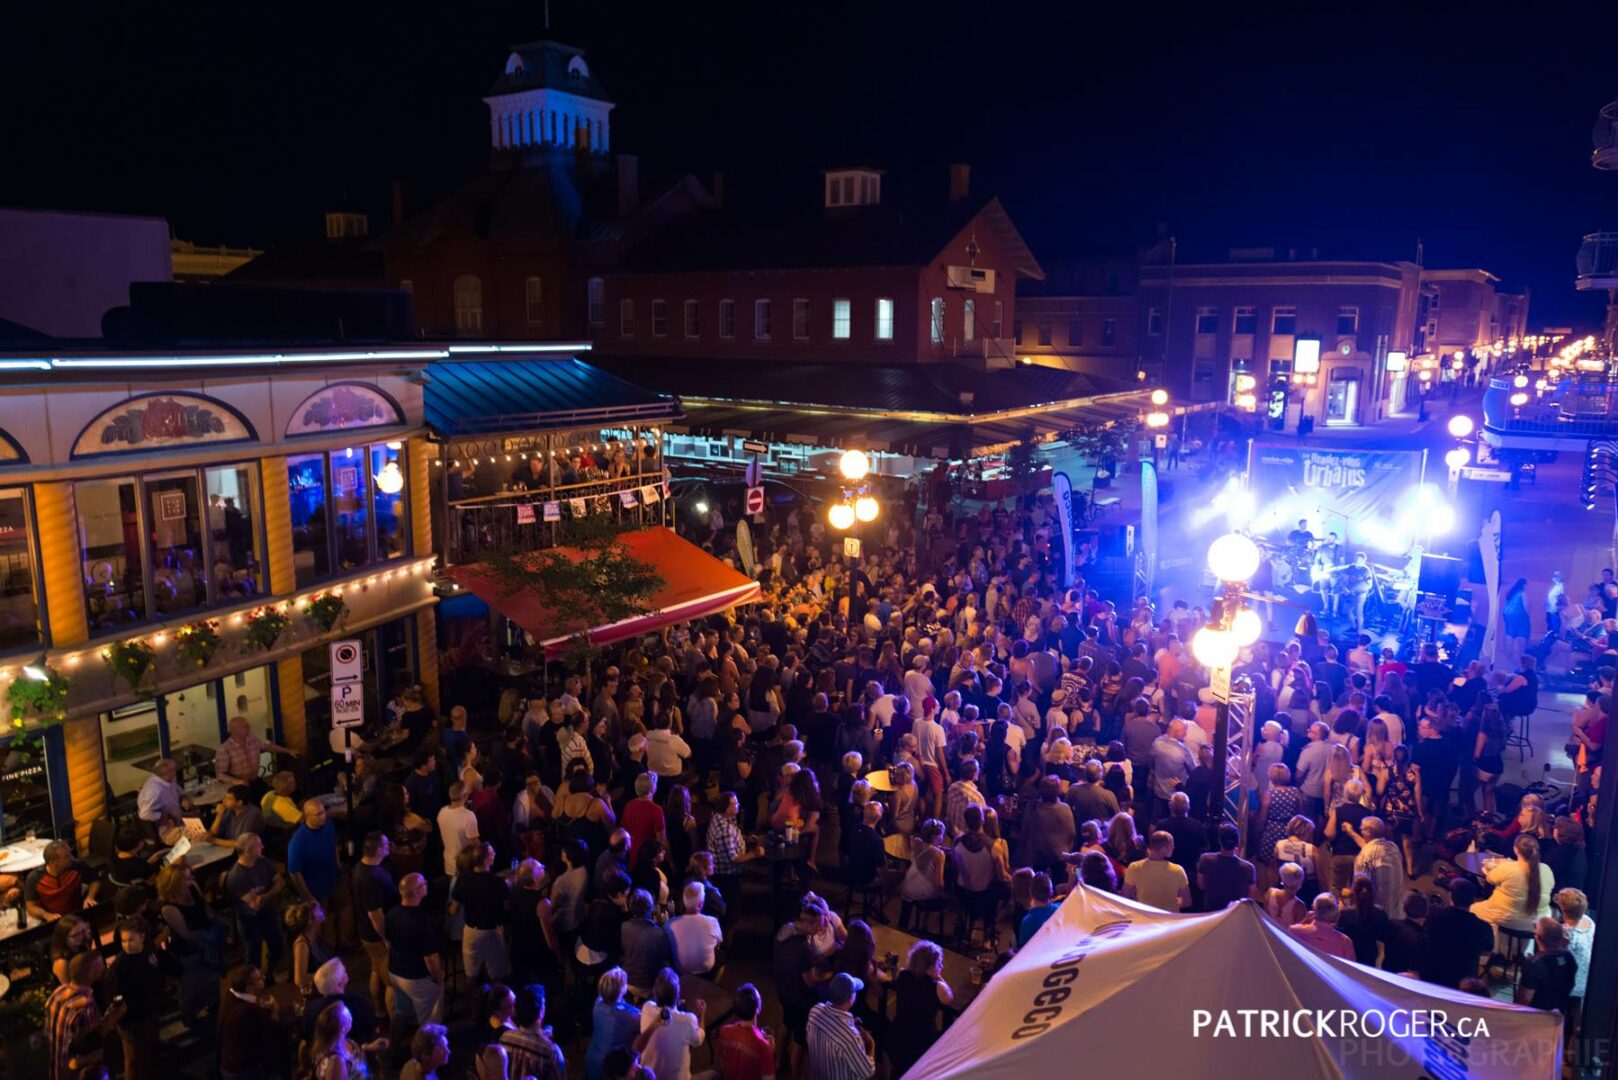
[
  {"x": 858, "y": 504},
  {"x": 1234, "y": 559}
]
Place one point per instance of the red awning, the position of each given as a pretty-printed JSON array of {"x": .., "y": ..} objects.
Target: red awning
[{"x": 695, "y": 584}]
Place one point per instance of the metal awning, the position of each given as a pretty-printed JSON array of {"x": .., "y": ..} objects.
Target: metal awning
[{"x": 486, "y": 397}]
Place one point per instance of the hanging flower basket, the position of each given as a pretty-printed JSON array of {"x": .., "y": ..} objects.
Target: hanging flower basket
[
  {"x": 265, "y": 627},
  {"x": 198, "y": 641},
  {"x": 325, "y": 610},
  {"x": 38, "y": 699},
  {"x": 130, "y": 660}
]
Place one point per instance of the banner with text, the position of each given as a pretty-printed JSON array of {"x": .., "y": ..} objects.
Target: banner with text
[{"x": 1364, "y": 496}]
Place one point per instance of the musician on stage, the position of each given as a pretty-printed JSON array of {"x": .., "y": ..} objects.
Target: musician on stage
[
  {"x": 1301, "y": 537},
  {"x": 1323, "y": 573},
  {"x": 1355, "y": 583},
  {"x": 1410, "y": 586}
]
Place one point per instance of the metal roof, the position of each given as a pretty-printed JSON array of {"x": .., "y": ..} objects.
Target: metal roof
[{"x": 483, "y": 397}]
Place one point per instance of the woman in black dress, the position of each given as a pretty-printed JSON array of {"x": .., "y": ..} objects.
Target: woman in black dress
[{"x": 920, "y": 995}]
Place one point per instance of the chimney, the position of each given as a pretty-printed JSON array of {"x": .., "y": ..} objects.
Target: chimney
[
  {"x": 717, "y": 190},
  {"x": 628, "y": 184},
  {"x": 960, "y": 182},
  {"x": 398, "y": 202}
]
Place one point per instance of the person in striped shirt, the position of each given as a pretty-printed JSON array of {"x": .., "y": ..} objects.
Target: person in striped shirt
[{"x": 839, "y": 1049}]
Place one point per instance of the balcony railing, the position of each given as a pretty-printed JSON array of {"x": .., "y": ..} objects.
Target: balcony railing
[
  {"x": 1605, "y": 137},
  {"x": 1597, "y": 261},
  {"x": 1578, "y": 408}
]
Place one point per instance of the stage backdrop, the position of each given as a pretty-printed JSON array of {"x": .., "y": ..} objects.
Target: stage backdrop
[{"x": 1364, "y": 496}]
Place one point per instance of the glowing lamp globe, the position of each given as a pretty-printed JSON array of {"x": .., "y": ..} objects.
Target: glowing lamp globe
[
  {"x": 1425, "y": 375},
  {"x": 1520, "y": 381},
  {"x": 866, "y": 508},
  {"x": 1157, "y": 419},
  {"x": 1457, "y": 457},
  {"x": 1519, "y": 399},
  {"x": 1160, "y": 397},
  {"x": 1461, "y": 426},
  {"x": 1233, "y": 557},
  {"x": 854, "y": 464},
  {"x": 701, "y": 506},
  {"x": 841, "y": 516},
  {"x": 390, "y": 481},
  {"x": 1245, "y": 627},
  {"x": 1214, "y": 648}
]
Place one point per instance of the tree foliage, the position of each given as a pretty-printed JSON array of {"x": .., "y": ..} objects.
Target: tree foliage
[
  {"x": 1023, "y": 464},
  {"x": 1096, "y": 440},
  {"x": 591, "y": 578}
]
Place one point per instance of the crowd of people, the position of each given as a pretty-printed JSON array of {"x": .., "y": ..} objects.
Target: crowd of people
[{"x": 939, "y": 735}]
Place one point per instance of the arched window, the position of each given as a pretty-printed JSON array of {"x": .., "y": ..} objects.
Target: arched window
[
  {"x": 468, "y": 305},
  {"x": 534, "y": 300}
]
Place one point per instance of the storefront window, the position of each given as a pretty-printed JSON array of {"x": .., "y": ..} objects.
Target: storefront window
[
  {"x": 19, "y": 610},
  {"x": 233, "y": 532},
  {"x": 193, "y": 719},
  {"x": 192, "y": 716},
  {"x": 350, "y": 496},
  {"x": 130, "y": 744},
  {"x": 306, "y": 485},
  {"x": 25, "y": 789},
  {"x": 109, "y": 539},
  {"x": 179, "y": 560},
  {"x": 388, "y": 480}
]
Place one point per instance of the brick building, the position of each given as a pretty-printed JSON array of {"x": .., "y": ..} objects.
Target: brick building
[
  {"x": 1084, "y": 316},
  {"x": 1466, "y": 310}
]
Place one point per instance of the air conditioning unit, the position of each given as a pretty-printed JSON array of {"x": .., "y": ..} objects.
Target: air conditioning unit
[{"x": 970, "y": 278}]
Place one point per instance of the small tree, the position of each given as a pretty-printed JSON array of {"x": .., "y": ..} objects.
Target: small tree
[
  {"x": 593, "y": 579},
  {"x": 1023, "y": 464}
]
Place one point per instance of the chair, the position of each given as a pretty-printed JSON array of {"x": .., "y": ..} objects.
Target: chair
[
  {"x": 1517, "y": 941},
  {"x": 1519, "y": 735},
  {"x": 921, "y": 909},
  {"x": 102, "y": 850},
  {"x": 869, "y": 908}
]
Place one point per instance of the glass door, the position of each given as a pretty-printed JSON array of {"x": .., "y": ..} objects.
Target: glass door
[{"x": 1343, "y": 399}]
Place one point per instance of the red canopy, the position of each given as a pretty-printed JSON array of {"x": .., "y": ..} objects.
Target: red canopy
[{"x": 695, "y": 584}]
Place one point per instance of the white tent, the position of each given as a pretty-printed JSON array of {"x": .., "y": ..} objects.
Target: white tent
[{"x": 1115, "y": 989}]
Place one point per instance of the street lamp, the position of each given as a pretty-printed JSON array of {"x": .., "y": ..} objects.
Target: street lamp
[
  {"x": 858, "y": 503},
  {"x": 854, "y": 464},
  {"x": 841, "y": 516},
  {"x": 1457, "y": 458},
  {"x": 1461, "y": 425},
  {"x": 1157, "y": 419},
  {"x": 1160, "y": 398},
  {"x": 1234, "y": 559},
  {"x": 866, "y": 508}
]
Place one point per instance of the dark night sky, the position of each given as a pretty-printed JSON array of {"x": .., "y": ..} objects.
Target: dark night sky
[{"x": 1466, "y": 125}]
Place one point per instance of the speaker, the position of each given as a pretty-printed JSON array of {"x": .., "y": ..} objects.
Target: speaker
[{"x": 1440, "y": 574}]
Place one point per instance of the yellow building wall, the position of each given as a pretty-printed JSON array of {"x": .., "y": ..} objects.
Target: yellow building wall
[{"x": 421, "y": 525}]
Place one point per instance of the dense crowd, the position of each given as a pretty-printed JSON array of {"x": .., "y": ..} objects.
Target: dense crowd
[{"x": 938, "y": 735}]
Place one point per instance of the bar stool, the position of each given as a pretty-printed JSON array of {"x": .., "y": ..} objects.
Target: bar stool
[{"x": 1519, "y": 736}]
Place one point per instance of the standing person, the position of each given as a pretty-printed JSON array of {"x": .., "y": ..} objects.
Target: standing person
[
  {"x": 695, "y": 937},
  {"x": 237, "y": 761},
  {"x": 312, "y": 854},
  {"x": 1580, "y": 930},
  {"x": 196, "y": 940},
  {"x": 415, "y": 944},
  {"x": 1172, "y": 763},
  {"x": 429, "y": 1052},
  {"x": 1436, "y": 759},
  {"x": 931, "y": 751},
  {"x": 1549, "y": 979},
  {"x": 457, "y": 826},
  {"x": 1223, "y": 876},
  {"x": 74, "y": 1025},
  {"x": 1048, "y": 830},
  {"x": 839, "y": 1049},
  {"x": 742, "y": 1050},
  {"x": 247, "y": 1027},
  {"x": 254, "y": 883},
  {"x": 1457, "y": 938},
  {"x": 1155, "y": 880},
  {"x": 135, "y": 978},
  {"x": 529, "y": 1050},
  {"x": 614, "y": 1022},
  {"x": 667, "y": 1032},
  {"x": 1319, "y": 928},
  {"x": 482, "y": 896},
  {"x": 921, "y": 995},
  {"x": 375, "y": 894}
]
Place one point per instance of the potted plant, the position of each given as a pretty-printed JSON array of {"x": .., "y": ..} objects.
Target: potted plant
[
  {"x": 130, "y": 660},
  {"x": 198, "y": 641},
  {"x": 325, "y": 610},
  {"x": 40, "y": 699},
  {"x": 265, "y": 627}
]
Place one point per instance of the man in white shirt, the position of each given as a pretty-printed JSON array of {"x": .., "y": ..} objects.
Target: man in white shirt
[
  {"x": 457, "y": 826},
  {"x": 665, "y": 751},
  {"x": 931, "y": 753},
  {"x": 696, "y": 937},
  {"x": 917, "y": 686},
  {"x": 1395, "y": 722},
  {"x": 161, "y": 801}
]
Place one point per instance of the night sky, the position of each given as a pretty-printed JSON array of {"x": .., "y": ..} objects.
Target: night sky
[{"x": 1464, "y": 125}]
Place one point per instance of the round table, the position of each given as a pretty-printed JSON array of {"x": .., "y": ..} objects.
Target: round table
[
  {"x": 880, "y": 781},
  {"x": 1471, "y": 862},
  {"x": 23, "y": 856},
  {"x": 897, "y": 845}
]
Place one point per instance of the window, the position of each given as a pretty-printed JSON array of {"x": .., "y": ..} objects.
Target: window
[
  {"x": 534, "y": 300},
  {"x": 1044, "y": 333},
  {"x": 693, "y": 318},
  {"x": 25, "y": 782},
  {"x": 1075, "y": 334},
  {"x": 1154, "y": 320},
  {"x": 999, "y": 318},
  {"x": 168, "y": 543},
  {"x": 626, "y": 318},
  {"x": 1017, "y": 329},
  {"x": 969, "y": 318},
  {"x": 936, "y": 320},
  {"x": 660, "y": 318},
  {"x": 884, "y": 318},
  {"x": 468, "y": 305},
  {"x": 1348, "y": 321},
  {"x": 348, "y": 509},
  {"x": 1109, "y": 332},
  {"x": 727, "y": 318},
  {"x": 1207, "y": 320},
  {"x": 761, "y": 320},
  {"x": 1284, "y": 321},
  {"x": 19, "y": 600},
  {"x": 1246, "y": 321},
  {"x": 834, "y": 191},
  {"x": 800, "y": 319},
  {"x": 842, "y": 319},
  {"x": 596, "y": 293}
]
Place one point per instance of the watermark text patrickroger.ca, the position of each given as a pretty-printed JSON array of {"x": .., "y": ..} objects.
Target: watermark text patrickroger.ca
[{"x": 1333, "y": 1024}]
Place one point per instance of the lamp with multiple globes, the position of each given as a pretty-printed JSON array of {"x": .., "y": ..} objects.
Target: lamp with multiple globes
[
  {"x": 1520, "y": 381},
  {"x": 1160, "y": 398},
  {"x": 1246, "y": 627},
  {"x": 1157, "y": 419},
  {"x": 1233, "y": 557},
  {"x": 1519, "y": 399},
  {"x": 858, "y": 503},
  {"x": 1457, "y": 457}
]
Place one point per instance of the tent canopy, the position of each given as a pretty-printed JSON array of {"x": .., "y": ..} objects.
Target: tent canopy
[
  {"x": 1127, "y": 990},
  {"x": 695, "y": 584}
]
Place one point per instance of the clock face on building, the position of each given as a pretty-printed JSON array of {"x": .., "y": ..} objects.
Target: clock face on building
[{"x": 1346, "y": 348}]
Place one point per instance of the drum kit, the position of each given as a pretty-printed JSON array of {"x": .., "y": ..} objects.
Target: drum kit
[{"x": 1320, "y": 576}]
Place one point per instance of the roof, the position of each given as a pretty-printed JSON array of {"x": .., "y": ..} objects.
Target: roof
[
  {"x": 695, "y": 585},
  {"x": 543, "y": 200},
  {"x": 469, "y": 397},
  {"x": 548, "y": 65},
  {"x": 907, "y": 388},
  {"x": 1078, "y": 990},
  {"x": 314, "y": 260},
  {"x": 861, "y": 236}
]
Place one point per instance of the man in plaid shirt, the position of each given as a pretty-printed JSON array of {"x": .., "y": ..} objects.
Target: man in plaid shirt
[
  {"x": 961, "y": 794},
  {"x": 726, "y": 842}
]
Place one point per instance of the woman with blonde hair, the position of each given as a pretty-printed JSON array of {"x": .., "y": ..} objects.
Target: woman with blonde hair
[
  {"x": 333, "y": 1055},
  {"x": 1123, "y": 844},
  {"x": 1271, "y": 749},
  {"x": 1581, "y": 931},
  {"x": 1340, "y": 769},
  {"x": 1376, "y": 760},
  {"x": 906, "y": 798},
  {"x": 303, "y": 922},
  {"x": 1281, "y": 900},
  {"x": 196, "y": 938},
  {"x": 921, "y": 995},
  {"x": 614, "y": 1021},
  {"x": 1298, "y": 848}
]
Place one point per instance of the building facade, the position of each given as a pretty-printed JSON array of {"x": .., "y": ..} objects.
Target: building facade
[
  {"x": 1466, "y": 310},
  {"x": 854, "y": 280},
  {"x": 1084, "y": 316},
  {"x": 1221, "y": 331}
]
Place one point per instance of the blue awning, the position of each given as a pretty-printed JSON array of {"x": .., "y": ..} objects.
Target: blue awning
[{"x": 487, "y": 397}]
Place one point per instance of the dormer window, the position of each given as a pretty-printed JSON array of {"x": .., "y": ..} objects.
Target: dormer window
[
  {"x": 515, "y": 65},
  {"x": 853, "y": 187},
  {"x": 342, "y": 224},
  {"x": 577, "y": 69}
]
